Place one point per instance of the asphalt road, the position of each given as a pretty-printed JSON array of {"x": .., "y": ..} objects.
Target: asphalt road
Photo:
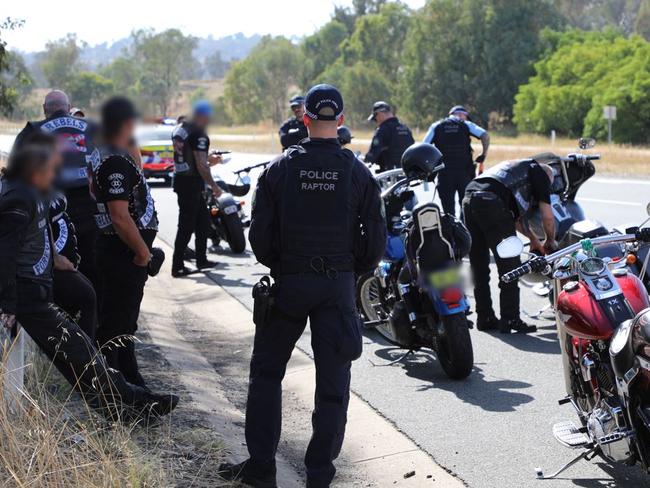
[{"x": 493, "y": 429}]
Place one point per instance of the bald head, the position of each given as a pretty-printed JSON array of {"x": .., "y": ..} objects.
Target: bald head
[{"x": 54, "y": 101}]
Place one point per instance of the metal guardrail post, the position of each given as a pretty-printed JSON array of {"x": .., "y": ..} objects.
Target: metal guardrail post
[{"x": 12, "y": 358}]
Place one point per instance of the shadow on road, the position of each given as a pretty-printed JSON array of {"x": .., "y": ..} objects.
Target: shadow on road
[{"x": 493, "y": 396}]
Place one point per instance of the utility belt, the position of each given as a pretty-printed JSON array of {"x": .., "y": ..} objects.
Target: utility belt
[{"x": 318, "y": 265}]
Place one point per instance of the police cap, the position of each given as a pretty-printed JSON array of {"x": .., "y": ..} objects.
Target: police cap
[{"x": 323, "y": 102}]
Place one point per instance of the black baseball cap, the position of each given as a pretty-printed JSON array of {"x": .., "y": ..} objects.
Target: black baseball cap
[
  {"x": 323, "y": 102},
  {"x": 296, "y": 100},
  {"x": 459, "y": 109},
  {"x": 379, "y": 107}
]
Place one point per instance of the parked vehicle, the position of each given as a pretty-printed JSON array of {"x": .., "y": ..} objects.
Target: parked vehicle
[
  {"x": 415, "y": 296},
  {"x": 155, "y": 142},
  {"x": 603, "y": 321}
]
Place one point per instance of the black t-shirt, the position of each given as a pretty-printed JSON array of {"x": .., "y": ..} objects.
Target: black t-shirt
[
  {"x": 188, "y": 139},
  {"x": 539, "y": 183}
]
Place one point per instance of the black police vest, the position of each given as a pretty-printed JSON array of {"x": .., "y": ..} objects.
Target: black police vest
[
  {"x": 293, "y": 131},
  {"x": 452, "y": 138},
  {"x": 141, "y": 204},
  {"x": 34, "y": 259},
  {"x": 316, "y": 214},
  {"x": 64, "y": 235},
  {"x": 75, "y": 137},
  {"x": 514, "y": 176},
  {"x": 400, "y": 140},
  {"x": 184, "y": 161}
]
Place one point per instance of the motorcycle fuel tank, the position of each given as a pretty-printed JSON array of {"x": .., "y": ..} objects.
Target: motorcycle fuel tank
[{"x": 585, "y": 317}]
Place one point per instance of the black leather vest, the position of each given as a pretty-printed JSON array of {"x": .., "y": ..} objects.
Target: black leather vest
[
  {"x": 64, "y": 235},
  {"x": 184, "y": 162},
  {"x": 75, "y": 136},
  {"x": 34, "y": 260},
  {"x": 316, "y": 215},
  {"x": 141, "y": 203},
  {"x": 514, "y": 176},
  {"x": 453, "y": 139}
]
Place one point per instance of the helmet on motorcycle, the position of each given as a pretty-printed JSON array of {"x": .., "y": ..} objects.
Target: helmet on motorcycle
[
  {"x": 421, "y": 159},
  {"x": 344, "y": 135}
]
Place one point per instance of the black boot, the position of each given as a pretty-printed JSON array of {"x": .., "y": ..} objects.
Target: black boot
[
  {"x": 487, "y": 322},
  {"x": 518, "y": 325},
  {"x": 180, "y": 271},
  {"x": 205, "y": 263},
  {"x": 250, "y": 473}
]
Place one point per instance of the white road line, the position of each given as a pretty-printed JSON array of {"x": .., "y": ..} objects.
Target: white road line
[
  {"x": 619, "y": 181},
  {"x": 611, "y": 202}
]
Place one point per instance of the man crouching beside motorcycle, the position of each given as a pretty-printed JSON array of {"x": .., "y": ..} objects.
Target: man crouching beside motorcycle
[{"x": 496, "y": 206}]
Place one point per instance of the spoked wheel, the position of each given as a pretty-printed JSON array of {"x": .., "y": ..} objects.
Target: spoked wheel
[
  {"x": 455, "y": 351},
  {"x": 369, "y": 298}
]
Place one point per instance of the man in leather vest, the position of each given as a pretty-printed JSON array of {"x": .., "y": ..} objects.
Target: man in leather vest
[
  {"x": 390, "y": 140},
  {"x": 191, "y": 175},
  {"x": 452, "y": 136},
  {"x": 127, "y": 222},
  {"x": 293, "y": 130},
  {"x": 76, "y": 137},
  {"x": 495, "y": 206},
  {"x": 317, "y": 220},
  {"x": 27, "y": 259}
]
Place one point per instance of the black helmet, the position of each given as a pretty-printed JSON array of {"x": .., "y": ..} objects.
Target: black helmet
[
  {"x": 344, "y": 135},
  {"x": 421, "y": 159}
]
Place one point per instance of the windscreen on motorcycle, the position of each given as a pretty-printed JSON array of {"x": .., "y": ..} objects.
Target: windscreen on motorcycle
[
  {"x": 434, "y": 253},
  {"x": 577, "y": 173}
]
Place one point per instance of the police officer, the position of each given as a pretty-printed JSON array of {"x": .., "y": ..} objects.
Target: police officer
[
  {"x": 452, "y": 136},
  {"x": 127, "y": 221},
  {"x": 191, "y": 175},
  {"x": 495, "y": 206},
  {"x": 77, "y": 139},
  {"x": 293, "y": 130},
  {"x": 390, "y": 140},
  {"x": 26, "y": 263},
  {"x": 317, "y": 220}
]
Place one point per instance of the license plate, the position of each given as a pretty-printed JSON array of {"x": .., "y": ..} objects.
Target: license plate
[
  {"x": 443, "y": 279},
  {"x": 231, "y": 209}
]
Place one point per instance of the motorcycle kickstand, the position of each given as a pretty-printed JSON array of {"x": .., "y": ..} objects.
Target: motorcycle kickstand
[
  {"x": 585, "y": 455},
  {"x": 394, "y": 361}
]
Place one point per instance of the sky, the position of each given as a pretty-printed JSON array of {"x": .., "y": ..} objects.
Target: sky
[{"x": 96, "y": 22}]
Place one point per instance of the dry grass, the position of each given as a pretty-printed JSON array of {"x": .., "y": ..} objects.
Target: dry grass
[{"x": 50, "y": 439}]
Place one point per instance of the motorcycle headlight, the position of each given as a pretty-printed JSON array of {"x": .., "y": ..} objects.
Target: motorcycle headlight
[{"x": 621, "y": 338}]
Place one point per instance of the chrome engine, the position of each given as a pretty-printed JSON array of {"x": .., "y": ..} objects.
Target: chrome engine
[{"x": 607, "y": 427}]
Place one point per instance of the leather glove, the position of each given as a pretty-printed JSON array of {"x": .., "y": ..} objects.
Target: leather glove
[{"x": 156, "y": 262}]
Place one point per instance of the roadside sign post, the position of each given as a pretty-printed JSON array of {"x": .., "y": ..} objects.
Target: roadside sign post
[
  {"x": 12, "y": 360},
  {"x": 609, "y": 114}
]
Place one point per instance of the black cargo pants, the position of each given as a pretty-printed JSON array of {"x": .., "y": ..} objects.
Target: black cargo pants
[{"x": 193, "y": 218}]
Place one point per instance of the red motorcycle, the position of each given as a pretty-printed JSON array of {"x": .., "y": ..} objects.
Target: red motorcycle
[{"x": 603, "y": 323}]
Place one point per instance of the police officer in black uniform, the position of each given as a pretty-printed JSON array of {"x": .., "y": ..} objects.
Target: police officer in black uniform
[
  {"x": 77, "y": 138},
  {"x": 495, "y": 206},
  {"x": 391, "y": 138},
  {"x": 293, "y": 130},
  {"x": 317, "y": 220},
  {"x": 192, "y": 174},
  {"x": 128, "y": 223},
  {"x": 452, "y": 136},
  {"x": 26, "y": 263}
]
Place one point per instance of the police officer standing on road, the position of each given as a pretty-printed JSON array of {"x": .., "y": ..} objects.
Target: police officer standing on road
[
  {"x": 128, "y": 224},
  {"x": 495, "y": 206},
  {"x": 317, "y": 220},
  {"x": 191, "y": 176},
  {"x": 26, "y": 263},
  {"x": 77, "y": 139},
  {"x": 293, "y": 130},
  {"x": 452, "y": 136},
  {"x": 391, "y": 138}
]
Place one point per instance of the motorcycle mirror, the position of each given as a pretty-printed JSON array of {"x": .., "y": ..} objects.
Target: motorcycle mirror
[
  {"x": 510, "y": 247},
  {"x": 647, "y": 209},
  {"x": 586, "y": 143}
]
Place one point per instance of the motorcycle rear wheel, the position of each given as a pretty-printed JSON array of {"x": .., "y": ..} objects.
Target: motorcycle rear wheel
[
  {"x": 234, "y": 232},
  {"x": 455, "y": 351}
]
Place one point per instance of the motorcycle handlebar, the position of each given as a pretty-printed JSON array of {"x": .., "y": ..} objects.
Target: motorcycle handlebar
[
  {"x": 248, "y": 169},
  {"x": 538, "y": 263}
]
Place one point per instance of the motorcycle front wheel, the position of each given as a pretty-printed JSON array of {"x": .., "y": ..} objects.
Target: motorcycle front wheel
[
  {"x": 234, "y": 232},
  {"x": 455, "y": 351}
]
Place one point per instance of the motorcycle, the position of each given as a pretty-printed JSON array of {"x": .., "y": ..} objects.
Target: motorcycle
[
  {"x": 415, "y": 298},
  {"x": 603, "y": 325},
  {"x": 227, "y": 216}
]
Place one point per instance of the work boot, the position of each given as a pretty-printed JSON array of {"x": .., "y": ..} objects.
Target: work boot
[
  {"x": 486, "y": 322},
  {"x": 518, "y": 325},
  {"x": 205, "y": 263},
  {"x": 250, "y": 473},
  {"x": 180, "y": 271},
  {"x": 150, "y": 408}
]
